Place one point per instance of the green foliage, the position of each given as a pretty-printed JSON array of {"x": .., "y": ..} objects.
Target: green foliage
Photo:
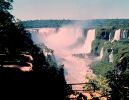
[
  {"x": 118, "y": 83},
  {"x": 101, "y": 36},
  {"x": 101, "y": 67},
  {"x": 118, "y": 71},
  {"x": 120, "y": 51},
  {"x": 46, "y": 23},
  {"x": 96, "y": 46},
  {"x": 10, "y": 33},
  {"x": 42, "y": 46},
  {"x": 107, "y": 46},
  {"x": 125, "y": 32},
  {"x": 104, "y": 32},
  {"x": 119, "y": 86},
  {"x": 101, "y": 83},
  {"x": 118, "y": 23},
  {"x": 106, "y": 51},
  {"x": 6, "y": 4},
  {"x": 118, "y": 47},
  {"x": 95, "y": 23}
]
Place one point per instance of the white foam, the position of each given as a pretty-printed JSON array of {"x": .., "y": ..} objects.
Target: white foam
[{"x": 117, "y": 35}]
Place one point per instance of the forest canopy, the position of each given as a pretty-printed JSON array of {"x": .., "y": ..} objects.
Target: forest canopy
[{"x": 93, "y": 23}]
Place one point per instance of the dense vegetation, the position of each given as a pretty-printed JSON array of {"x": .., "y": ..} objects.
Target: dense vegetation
[
  {"x": 105, "y": 31},
  {"x": 95, "y": 23},
  {"x": 101, "y": 36},
  {"x": 101, "y": 83},
  {"x": 101, "y": 67},
  {"x": 116, "y": 71},
  {"x": 46, "y": 23},
  {"x": 46, "y": 80}
]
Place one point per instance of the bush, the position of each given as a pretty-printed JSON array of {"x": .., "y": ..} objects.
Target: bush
[
  {"x": 101, "y": 67},
  {"x": 102, "y": 33},
  {"x": 96, "y": 45}
]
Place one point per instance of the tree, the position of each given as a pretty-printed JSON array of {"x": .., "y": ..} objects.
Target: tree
[
  {"x": 118, "y": 78},
  {"x": 99, "y": 81},
  {"x": 6, "y": 4},
  {"x": 45, "y": 79}
]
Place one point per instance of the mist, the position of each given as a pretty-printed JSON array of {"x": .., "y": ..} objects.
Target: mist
[{"x": 65, "y": 42}]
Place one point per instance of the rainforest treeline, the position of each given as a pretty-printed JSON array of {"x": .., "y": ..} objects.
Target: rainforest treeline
[{"x": 94, "y": 23}]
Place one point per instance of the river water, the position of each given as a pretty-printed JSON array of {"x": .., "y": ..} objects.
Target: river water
[{"x": 75, "y": 68}]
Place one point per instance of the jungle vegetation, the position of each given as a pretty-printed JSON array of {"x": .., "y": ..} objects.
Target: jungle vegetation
[
  {"x": 94, "y": 23},
  {"x": 116, "y": 72}
]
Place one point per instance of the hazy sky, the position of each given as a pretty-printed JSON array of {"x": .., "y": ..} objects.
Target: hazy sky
[{"x": 70, "y": 9}]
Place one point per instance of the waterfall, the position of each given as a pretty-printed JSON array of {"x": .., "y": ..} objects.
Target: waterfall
[
  {"x": 75, "y": 67},
  {"x": 101, "y": 53},
  {"x": 111, "y": 56},
  {"x": 78, "y": 31},
  {"x": 117, "y": 35},
  {"x": 37, "y": 34},
  {"x": 110, "y": 37},
  {"x": 90, "y": 37},
  {"x": 123, "y": 34}
]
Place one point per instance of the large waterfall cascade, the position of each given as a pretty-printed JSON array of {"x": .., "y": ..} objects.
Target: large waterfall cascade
[
  {"x": 39, "y": 33},
  {"x": 75, "y": 68},
  {"x": 117, "y": 35},
  {"x": 90, "y": 37}
]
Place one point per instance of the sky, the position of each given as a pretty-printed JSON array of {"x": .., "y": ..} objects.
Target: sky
[{"x": 70, "y": 9}]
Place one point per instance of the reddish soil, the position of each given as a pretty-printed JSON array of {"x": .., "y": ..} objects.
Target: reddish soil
[{"x": 89, "y": 95}]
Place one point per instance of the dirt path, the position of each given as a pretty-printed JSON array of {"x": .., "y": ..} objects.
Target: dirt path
[
  {"x": 23, "y": 68},
  {"x": 88, "y": 95}
]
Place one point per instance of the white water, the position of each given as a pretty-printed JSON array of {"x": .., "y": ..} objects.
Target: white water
[
  {"x": 110, "y": 37},
  {"x": 111, "y": 57},
  {"x": 117, "y": 35},
  {"x": 75, "y": 68},
  {"x": 101, "y": 53},
  {"x": 90, "y": 37},
  {"x": 40, "y": 33},
  {"x": 123, "y": 34}
]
